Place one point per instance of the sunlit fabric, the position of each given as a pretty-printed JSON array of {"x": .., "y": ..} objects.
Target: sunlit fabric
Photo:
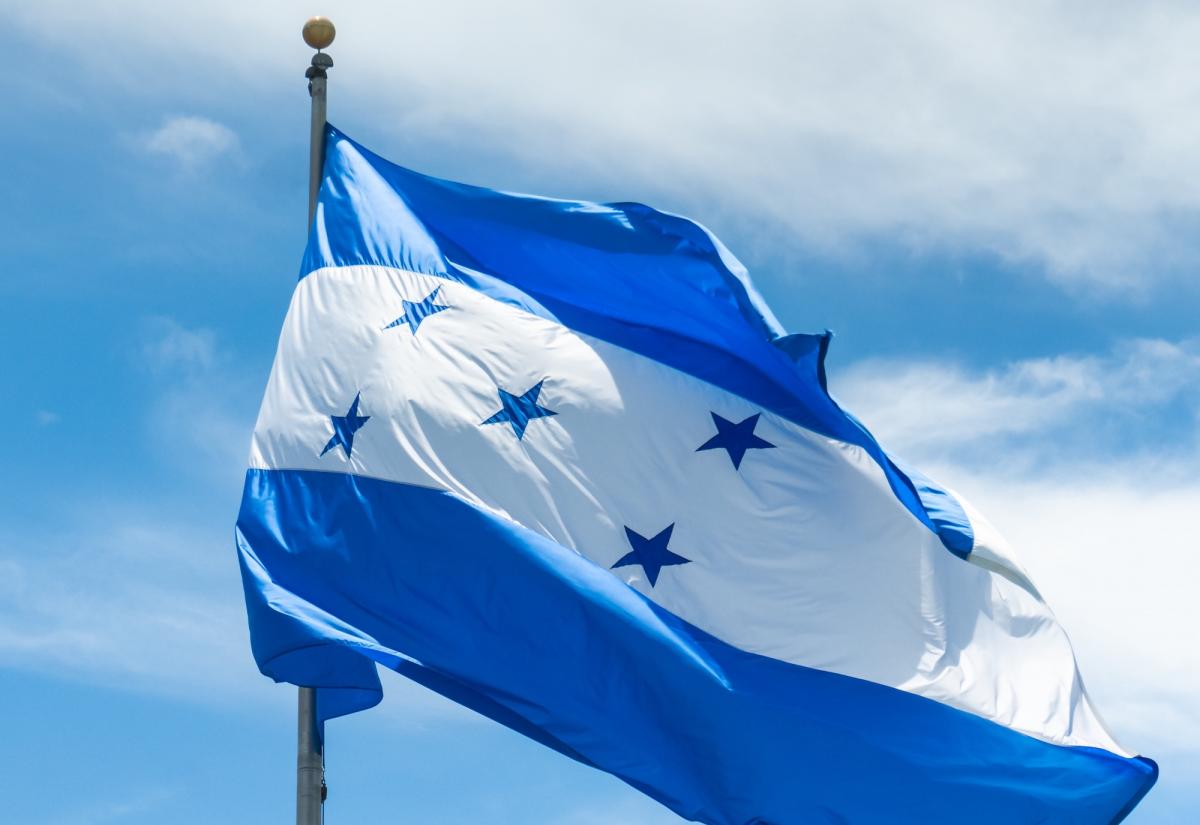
[{"x": 558, "y": 462}]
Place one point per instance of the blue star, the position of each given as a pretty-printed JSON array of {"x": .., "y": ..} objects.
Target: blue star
[
  {"x": 651, "y": 554},
  {"x": 735, "y": 439},
  {"x": 344, "y": 428},
  {"x": 519, "y": 410},
  {"x": 415, "y": 313}
]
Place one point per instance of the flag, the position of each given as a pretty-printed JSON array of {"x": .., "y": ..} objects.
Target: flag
[{"x": 558, "y": 462}]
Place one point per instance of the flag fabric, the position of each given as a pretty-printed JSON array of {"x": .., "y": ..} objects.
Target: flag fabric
[{"x": 558, "y": 462}]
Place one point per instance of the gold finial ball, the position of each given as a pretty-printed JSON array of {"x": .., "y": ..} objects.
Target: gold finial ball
[{"x": 319, "y": 32}]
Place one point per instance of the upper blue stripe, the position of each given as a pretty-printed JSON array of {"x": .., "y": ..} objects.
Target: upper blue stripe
[{"x": 653, "y": 283}]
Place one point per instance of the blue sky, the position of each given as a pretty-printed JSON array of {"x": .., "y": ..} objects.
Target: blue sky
[{"x": 993, "y": 207}]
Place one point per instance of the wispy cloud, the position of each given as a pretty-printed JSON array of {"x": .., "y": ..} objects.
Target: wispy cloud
[
  {"x": 203, "y": 411},
  {"x": 1057, "y": 134},
  {"x": 118, "y": 596},
  {"x": 143, "y": 594},
  {"x": 1142, "y": 398},
  {"x": 130, "y": 805},
  {"x": 1087, "y": 464},
  {"x": 121, "y": 592},
  {"x": 190, "y": 141},
  {"x": 169, "y": 346}
]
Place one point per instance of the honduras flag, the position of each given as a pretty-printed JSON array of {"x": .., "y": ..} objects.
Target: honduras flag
[{"x": 558, "y": 462}]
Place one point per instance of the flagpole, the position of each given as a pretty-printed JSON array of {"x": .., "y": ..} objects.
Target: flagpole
[{"x": 310, "y": 750}]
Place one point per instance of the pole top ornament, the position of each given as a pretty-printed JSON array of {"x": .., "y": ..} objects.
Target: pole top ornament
[{"x": 319, "y": 32}]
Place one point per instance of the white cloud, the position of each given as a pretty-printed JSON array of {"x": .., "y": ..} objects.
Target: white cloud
[
  {"x": 131, "y": 603},
  {"x": 1143, "y": 398},
  {"x": 1106, "y": 525},
  {"x": 190, "y": 141},
  {"x": 203, "y": 412},
  {"x": 169, "y": 346},
  {"x": 1057, "y": 133}
]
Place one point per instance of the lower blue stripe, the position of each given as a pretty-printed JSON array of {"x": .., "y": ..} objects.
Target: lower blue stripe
[{"x": 342, "y": 572}]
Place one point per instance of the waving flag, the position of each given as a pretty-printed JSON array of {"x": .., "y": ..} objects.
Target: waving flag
[{"x": 558, "y": 462}]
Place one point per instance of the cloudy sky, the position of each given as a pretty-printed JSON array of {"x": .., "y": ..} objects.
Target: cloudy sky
[{"x": 994, "y": 205}]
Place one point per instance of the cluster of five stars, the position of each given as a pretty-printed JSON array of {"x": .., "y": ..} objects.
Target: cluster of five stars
[{"x": 519, "y": 411}]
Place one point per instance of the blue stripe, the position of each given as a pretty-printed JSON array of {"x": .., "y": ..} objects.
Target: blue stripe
[
  {"x": 342, "y": 572},
  {"x": 650, "y": 282}
]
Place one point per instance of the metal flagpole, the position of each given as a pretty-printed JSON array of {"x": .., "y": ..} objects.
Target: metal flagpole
[{"x": 310, "y": 751}]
